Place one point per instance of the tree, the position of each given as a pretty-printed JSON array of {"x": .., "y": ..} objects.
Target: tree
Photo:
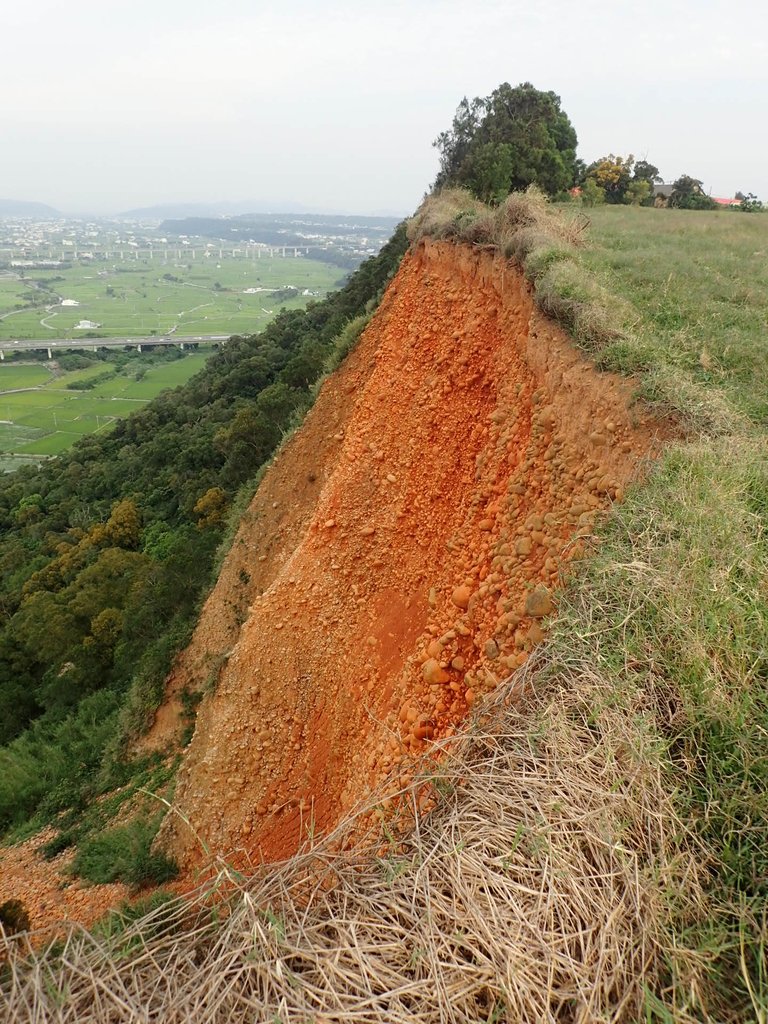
[
  {"x": 749, "y": 202},
  {"x": 507, "y": 141},
  {"x": 455, "y": 144},
  {"x": 613, "y": 175},
  {"x": 638, "y": 191},
  {"x": 688, "y": 194},
  {"x": 591, "y": 193},
  {"x": 620, "y": 180},
  {"x": 645, "y": 171},
  {"x": 211, "y": 508},
  {"x": 123, "y": 528}
]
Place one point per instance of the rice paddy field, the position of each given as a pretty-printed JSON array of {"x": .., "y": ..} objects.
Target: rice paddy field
[
  {"x": 43, "y": 411},
  {"x": 233, "y": 295}
]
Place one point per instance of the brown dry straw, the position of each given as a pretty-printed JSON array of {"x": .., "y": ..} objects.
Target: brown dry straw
[{"x": 530, "y": 893}]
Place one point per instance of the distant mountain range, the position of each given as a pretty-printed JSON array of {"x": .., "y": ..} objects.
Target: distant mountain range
[
  {"x": 166, "y": 211},
  {"x": 20, "y": 208},
  {"x": 292, "y": 228},
  {"x": 175, "y": 211}
]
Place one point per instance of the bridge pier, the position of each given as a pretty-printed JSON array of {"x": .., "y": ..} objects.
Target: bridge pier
[
  {"x": 2, "y": 354},
  {"x": 139, "y": 347},
  {"x": 50, "y": 354}
]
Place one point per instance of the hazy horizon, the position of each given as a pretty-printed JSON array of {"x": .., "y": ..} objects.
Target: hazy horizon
[{"x": 334, "y": 110}]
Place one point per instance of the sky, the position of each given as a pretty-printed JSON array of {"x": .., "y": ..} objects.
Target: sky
[{"x": 334, "y": 104}]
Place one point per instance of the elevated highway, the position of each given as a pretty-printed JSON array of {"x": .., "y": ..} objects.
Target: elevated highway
[{"x": 51, "y": 345}]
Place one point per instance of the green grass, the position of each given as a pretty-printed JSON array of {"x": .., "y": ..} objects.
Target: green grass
[
  {"x": 137, "y": 298},
  {"x": 123, "y": 854},
  {"x": 678, "y": 589},
  {"x": 700, "y": 284}
]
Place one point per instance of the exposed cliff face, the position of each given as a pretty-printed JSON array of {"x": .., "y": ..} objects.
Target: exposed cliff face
[{"x": 401, "y": 556}]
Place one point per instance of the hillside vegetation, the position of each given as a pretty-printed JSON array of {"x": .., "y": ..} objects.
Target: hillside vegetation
[
  {"x": 107, "y": 551},
  {"x": 595, "y": 847}
]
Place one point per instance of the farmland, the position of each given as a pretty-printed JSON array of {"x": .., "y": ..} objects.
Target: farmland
[
  {"x": 43, "y": 410},
  {"x": 233, "y": 295},
  {"x": 56, "y": 408}
]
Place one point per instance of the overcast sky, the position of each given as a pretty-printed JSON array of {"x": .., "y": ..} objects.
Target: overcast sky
[{"x": 334, "y": 104}]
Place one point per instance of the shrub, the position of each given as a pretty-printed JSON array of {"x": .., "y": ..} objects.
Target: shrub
[{"x": 124, "y": 854}]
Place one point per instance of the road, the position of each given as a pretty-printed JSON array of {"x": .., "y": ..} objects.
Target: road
[{"x": 34, "y": 344}]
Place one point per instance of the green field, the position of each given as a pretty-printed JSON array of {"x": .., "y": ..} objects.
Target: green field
[
  {"x": 672, "y": 610},
  {"x": 143, "y": 297},
  {"x": 48, "y": 419},
  {"x": 23, "y": 375},
  {"x": 700, "y": 281},
  {"x": 133, "y": 298}
]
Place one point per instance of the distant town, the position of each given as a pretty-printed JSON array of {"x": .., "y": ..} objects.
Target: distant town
[{"x": 53, "y": 243}]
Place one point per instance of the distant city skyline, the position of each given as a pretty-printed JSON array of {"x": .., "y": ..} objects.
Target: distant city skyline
[{"x": 334, "y": 107}]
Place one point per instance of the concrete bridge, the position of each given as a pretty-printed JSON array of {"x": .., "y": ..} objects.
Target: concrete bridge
[
  {"x": 164, "y": 253},
  {"x": 51, "y": 345}
]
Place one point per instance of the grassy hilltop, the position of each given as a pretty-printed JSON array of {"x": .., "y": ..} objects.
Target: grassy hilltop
[
  {"x": 638, "y": 761},
  {"x": 699, "y": 285},
  {"x": 677, "y": 596}
]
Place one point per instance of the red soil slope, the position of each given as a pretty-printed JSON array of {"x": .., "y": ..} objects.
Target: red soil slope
[{"x": 400, "y": 557}]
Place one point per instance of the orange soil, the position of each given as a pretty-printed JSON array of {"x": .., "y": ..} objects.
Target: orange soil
[
  {"x": 48, "y": 895},
  {"x": 400, "y": 557}
]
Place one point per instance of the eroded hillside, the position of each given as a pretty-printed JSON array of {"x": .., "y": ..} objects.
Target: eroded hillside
[{"x": 401, "y": 557}]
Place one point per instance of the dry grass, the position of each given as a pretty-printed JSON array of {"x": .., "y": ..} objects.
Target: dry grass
[
  {"x": 549, "y": 245},
  {"x": 530, "y": 893},
  {"x": 545, "y": 242}
]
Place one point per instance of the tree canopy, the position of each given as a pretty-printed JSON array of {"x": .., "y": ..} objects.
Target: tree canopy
[
  {"x": 749, "y": 203},
  {"x": 688, "y": 194},
  {"x": 617, "y": 179},
  {"x": 507, "y": 141}
]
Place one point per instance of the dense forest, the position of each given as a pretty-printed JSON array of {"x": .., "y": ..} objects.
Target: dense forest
[{"x": 108, "y": 550}]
